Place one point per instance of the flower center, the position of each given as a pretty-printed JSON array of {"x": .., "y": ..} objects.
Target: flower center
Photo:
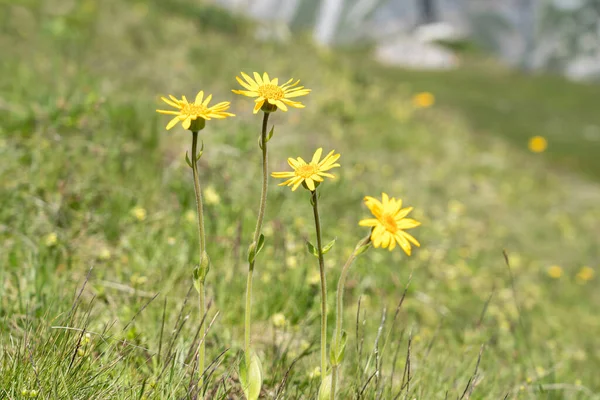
[
  {"x": 389, "y": 223},
  {"x": 194, "y": 109},
  {"x": 306, "y": 171},
  {"x": 270, "y": 91}
]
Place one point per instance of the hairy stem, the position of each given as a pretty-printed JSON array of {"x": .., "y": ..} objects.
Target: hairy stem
[
  {"x": 201, "y": 248},
  {"x": 257, "y": 231},
  {"x": 337, "y": 336},
  {"x": 315, "y": 204}
]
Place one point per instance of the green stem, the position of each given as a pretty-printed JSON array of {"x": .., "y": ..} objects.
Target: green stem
[
  {"x": 337, "y": 336},
  {"x": 259, "y": 223},
  {"x": 201, "y": 246},
  {"x": 334, "y": 371},
  {"x": 315, "y": 204}
]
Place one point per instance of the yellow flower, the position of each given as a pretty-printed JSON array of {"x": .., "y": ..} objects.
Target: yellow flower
[
  {"x": 389, "y": 223},
  {"x": 51, "y": 239},
  {"x": 310, "y": 174},
  {"x": 188, "y": 112},
  {"x": 269, "y": 91},
  {"x": 423, "y": 100},
  {"x": 278, "y": 320},
  {"x": 211, "y": 196},
  {"x": 585, "y": 274},
  {"x": 555, "y": 272},
  {"x": 537, "y": 144},
  {"x": 139, "y": 213},
  {"x": 190, "y": 215}
]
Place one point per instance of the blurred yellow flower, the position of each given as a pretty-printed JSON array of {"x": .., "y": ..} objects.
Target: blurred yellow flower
[
  {"x": 278, "y": 320},
  {"x": 188, "y": 112},
  {"x": 555, "y": 272},
  {"x": 104, "y": 254},
  {"x": 51, "y": 239},
  {"x": 190, "y": 216},
  {"x": 537, "y": 144},
  {"x": 315, "y": 373},
  {"x": 139, "y": 213},
  {"x": 314, "y": 278},
  {"x": 171, "y": 240},
  {"x": 423, "y": 100},
  {"x": 309, "y": 174},
  {"x": 269, "y": 91},
  {"x": 389, "y": 223},
  {"x": 211, "y": 196},
  {"x": 585, "y": 274}
]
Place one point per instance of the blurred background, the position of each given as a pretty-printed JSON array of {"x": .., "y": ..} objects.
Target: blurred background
[{"x": 482, "y": 114}]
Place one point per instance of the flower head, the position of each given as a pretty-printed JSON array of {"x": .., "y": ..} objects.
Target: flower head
[
  {"x": 423, "y": 100},
  {"x": 389, "y": 223},
  {"x": 310, "y": 174},
  {"x": 555, "y": 271},
  {"x": 537, "y": 144},
  {"x": 198, "y": 111},
  {"x": 139, "y": 213},
  {"x": 585, "y": 274},
  {"x": 270, "y": 92}
]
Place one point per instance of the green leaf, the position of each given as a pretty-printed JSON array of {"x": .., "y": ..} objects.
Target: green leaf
[
  {"x": 312, "y": 249},
  {"x": 325, "y": 388},
  {"x": 187, "y": 160},
  {"x": 251, "y": 376},
  {"x": 260, "y": 142},
  {"x": 328, "y": 246},
  {"x": 270, "y": 135},
  {"x": 338, "y": 350},
  {"x": 201, "y": 271},
  {"x": 362, "y": 249},
  {"x": 261, "y": 243}
]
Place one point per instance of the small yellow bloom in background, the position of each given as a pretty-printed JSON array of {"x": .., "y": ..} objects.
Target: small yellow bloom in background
[
  {"x": 33, "y": 394},
  {"x": 389, "y": 223},
  {"x": 291, "y": 262},
  {"x": 423, "y": 100},
  {"x": 198, "y": 109},
  {"x": 190, "y": 216},
  {"x": 104, "y": 254},
  {"x": 314, "y": 278},
  {"x": 310, "y": 174},
  {"x": 139, "y": 213},
  {"x": 211, "y": 196},
  {"x": 270, "y": 92},
  {"x": 315, "y": 373},
  {"x": 555, "y": 272},
  {"x": 585, "y": 274},
  {"x": 278, "y": 320},
  {"x": 537, "y": 144},
  {"x": 51, "y": 239},
  {"x": 171, "y": 241}
]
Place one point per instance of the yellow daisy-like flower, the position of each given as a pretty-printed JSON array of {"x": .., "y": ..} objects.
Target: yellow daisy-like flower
[
  {"x": 537, "y": 144},
  {"x": 389, "y": 223},
  {"x": 423, "y": 100},
  {"x": 197, "y": 110},
  {"x": 311, "y": 174},
  {"x": 270, "y": 92}
]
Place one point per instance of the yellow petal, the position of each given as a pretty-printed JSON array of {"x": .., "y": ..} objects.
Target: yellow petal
[
  {"x": 244, "y": 84},
  {"x": 407, "y": 223},
  {"x": 298, "y": 183},
  {"x": 172, "y": 123},
  {"x": 402, "y": 213},
  {"x": 384, "y": 200},
  {"x": 266, "y": 79},
  {"x": 258, "y": 79},
  {"x": 275, "y": 81},
  {"x": 317, "y": 156},
  {"x": 297, "y": 94},
  {"x": 186, "y": 123},
  {"x": 169, "y": 102},
  {"x": 281, "y": 105},
  {"x": 206, "y": 101},
  {"x": 411, "y": 238},
  {"x": 257, "y": 106},
  {"x": 369, "y": 222},
  {"x": 199, "y": 97},
  {"x": 282, "y": 174},
  {"x": 251, "y": 82},
  {"x": 245, "y": 93},
  {"x": 167, "y": 112},
  {"x": 310, "y": 183},
  {"x": 403, "y": 244},
  {"x": 293, "y": 163}
]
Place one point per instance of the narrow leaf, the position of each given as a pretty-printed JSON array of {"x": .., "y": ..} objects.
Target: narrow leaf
[
  {"x": 312, "y": 249},
  {"x": 328, "y": 246}
]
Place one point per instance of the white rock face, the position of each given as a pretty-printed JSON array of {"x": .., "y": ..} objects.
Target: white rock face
[{"x": 411, "y": 53}]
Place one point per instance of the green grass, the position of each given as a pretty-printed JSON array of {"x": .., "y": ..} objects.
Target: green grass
[{"x": 81, "y": 147}]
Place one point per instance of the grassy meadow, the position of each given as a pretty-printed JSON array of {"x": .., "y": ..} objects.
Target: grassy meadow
[{"x": 97, "y": 218}]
